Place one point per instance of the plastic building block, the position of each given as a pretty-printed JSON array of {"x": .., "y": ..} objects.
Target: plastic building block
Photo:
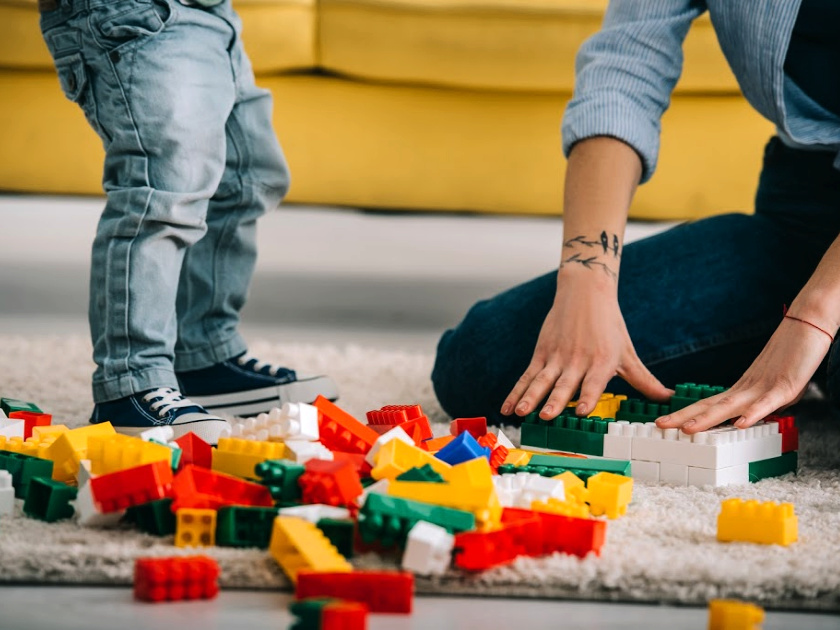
[
  {"x": 23, "y": 469},
  {"x": 566, "y": 534},
  {"x": 341, "y": 532},
  {"x": 517, "y": 457},
  {"x": 393, "y": 415},
  {"x": 498, "y": 452},
  {"x": 419, "y": 429},
  {"x": 475, "y": 426},
  {"x": 380, "y": 591},
  {"x": 281, "y": 478},
  {"x": 238, "y": 457},
  {"x": 49, "y": 500},
  {"x": 608, "y": 493},
  {"x": 155, "y": 518},
  {"x": 377, "y": 487},
  {"x": 482, "y": 501},
  {"x": 330, "y": 483},
  {"x": 566, "y": 432},
  {"x": 175, "y": 579},
  {"x": 175, "y": 452},
  {"x": 52, "y": 430},
  {"x": 773, "y": 467},
  {"x": 435, "y": 444},
  {"x": 301, "y": 451},
  {"x": 342, "y": 432},
  {"x": 573, "y": 486},
  {"x": 238, "y": 526},
  {"x": 673, "y": 474},
  {"x": 606, "y": 407},
  {"x": 689, "y": 393},
  {"x": 729, "y": 614},
  {"x": 789, "y": 431},
  {"x": 396, "y": 433},
  {"x": 71, "y": 447},
  {"x": 195, "y": 451},
  {"x": 34, "y": 447},
  {"x": 162, "y": 434},
  {"x": 750, "y": 521},
  {"x": 10, "y": 406},
  {"x": 133, "y": 486},
  {"x": 87, "y": 514},
  {"x": 428, "y": 549},
  {"x": 717, "y": 477},
  {"x": 200, "y": 488},
  {"x": 31, "y": 419},
  {"x": 195, "y": 528},
  {"x": 297, "y": 544},
  {"x": 521, "y": 489},
  {"x": 424, "y": 473},
  {"x": 583, "y": 468},
  {"x": 328, "y": 614},
  {"x": 481, "y": 550},
  {"x": 7, "y": 494},
  {"x": 635, "y": 410},
  {"x": 295, "y": 421},
  {"x": 389, "y": 519},
  {"x": 567, "y": 507},
  {"x": 462, "y": 449},
  {"x": 11, "y": 428},
  {"x": 396, "y": 457},
  {"x": 112, "y": 453},
  {"x": 315, "y": 512}
]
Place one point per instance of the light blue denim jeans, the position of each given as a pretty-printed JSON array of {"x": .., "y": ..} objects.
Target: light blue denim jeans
[{"x": 191, "y": 162}]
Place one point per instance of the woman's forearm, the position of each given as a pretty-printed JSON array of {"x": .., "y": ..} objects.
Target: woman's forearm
[{"x": 819, "y": 300}]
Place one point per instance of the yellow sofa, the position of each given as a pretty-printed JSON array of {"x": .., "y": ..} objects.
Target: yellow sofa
[{"x": 414, "y": 104}]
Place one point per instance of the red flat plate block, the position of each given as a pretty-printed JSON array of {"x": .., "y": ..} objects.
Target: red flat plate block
[
  {"x": 380, "y": 591},
  {"x": 134, "y": 486},
  {"x": 200, "y": 488}
]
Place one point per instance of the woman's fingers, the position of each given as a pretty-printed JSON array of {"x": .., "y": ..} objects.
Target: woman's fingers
[
  {"x": 563, "y": 391},
  {"x": 642, "y": 380},
  {"x": 530, "y": 389}
]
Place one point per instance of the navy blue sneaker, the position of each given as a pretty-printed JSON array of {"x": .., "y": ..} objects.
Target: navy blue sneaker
[
  {"x": 160, "y": 407},
  {"x": 244, "y": 386}
]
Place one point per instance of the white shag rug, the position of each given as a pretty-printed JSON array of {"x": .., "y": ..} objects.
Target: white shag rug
[{"x": 663, "y": 550}]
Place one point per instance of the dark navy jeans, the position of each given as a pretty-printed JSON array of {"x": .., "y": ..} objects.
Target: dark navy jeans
[{"x": 700, "y": 300}]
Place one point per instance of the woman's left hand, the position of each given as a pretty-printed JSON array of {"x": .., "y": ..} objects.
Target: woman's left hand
[{"x": 776, "y": 379}]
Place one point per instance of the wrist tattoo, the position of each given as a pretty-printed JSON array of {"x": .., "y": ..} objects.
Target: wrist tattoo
[{"x": 607, "y": 243}]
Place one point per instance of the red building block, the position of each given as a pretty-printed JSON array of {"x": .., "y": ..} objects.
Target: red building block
[
  {"x": 342, "y": 432},
  {"x": 357, "y": 459},
  {"x": 435, "y": 444},
  {"x": 194, "y": 451},
  {"x": 344, "y": 616},
  {"x": 31, "y": 419},
  {"x": 380, "y": 591},
  {"x": 521, "y": 534},
  {"x": 393, "y": 415},
  {"x": 418, "y": 429},
  {"x": 789, "y": 431},
  {"x": 203, "y": 489},
  {"x": 566, "y": 534},
  {"x": 330, "y": 482},
  {"x": 498, "y": 453},
  {"x": 134, "y": 486},
  {"x": 175, "y": 579},
  {"x": 475, "y": 426}
]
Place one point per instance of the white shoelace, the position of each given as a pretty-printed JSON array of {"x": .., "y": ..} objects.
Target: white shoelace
[
  {"x": 169, "y": 399},
  {"x": 273, "y": 370}
]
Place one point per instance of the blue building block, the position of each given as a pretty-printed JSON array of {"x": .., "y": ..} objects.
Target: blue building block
[{"x": 462, "y": 449}]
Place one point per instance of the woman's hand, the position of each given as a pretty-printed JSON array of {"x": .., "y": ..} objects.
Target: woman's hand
[
  {"x": 776, "y": 379},
  {"x": 583, "y": 343}
]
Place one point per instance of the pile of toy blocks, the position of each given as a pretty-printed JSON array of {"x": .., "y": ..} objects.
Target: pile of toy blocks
[{"x": 623, "y": 429}]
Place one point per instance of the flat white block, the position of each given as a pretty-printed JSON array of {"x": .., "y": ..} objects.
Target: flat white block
[
  {"x": 11, "y": 427},
  {"x": 302, "y": 451},
  {"x": 315, "y": 512},
  {"x": 731, "y": 476},
  {"x": 428, "y": 550},
  {"x": 673, "y": 474},
  {"x": 645, "y": 471},
  {"x": 618, "y": 446},
  {"x": 396, "y": 433},
  {"x": 503, "y": 440}
]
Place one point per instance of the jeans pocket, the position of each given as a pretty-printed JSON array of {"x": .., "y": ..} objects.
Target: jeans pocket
[
  {"x": 75, "y": 83},
  {"x": 127, "y": 21}
]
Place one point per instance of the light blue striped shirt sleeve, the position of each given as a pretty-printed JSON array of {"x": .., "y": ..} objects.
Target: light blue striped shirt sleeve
[{"x": 626, "y": 72}]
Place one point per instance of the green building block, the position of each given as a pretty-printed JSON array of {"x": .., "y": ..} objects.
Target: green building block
[
  {"x": 566, "y": 432},
  {"x": 155, "y": 518},
  {"x": 551, "y": 465},
  {"x": 10, "y": 405},
  {"x": 281, "y": 478},
  {"x": 239, "y": 526},
  {"x": 176, "y": 453},
  {"x": 49, "y": 500},
  {"x": 424, "y": 473},
  {"x": 534, "y": 431},
  {"x": 387, "y": 519},
  {"x": 341, "y": 532},
  {"x": 23, "y": 469},
  {"x": 774, "y": 467},
  {"x": 689, "y": 393},
  {"x": 636, "y": 410},
  {"x": 308, "y": 613}
]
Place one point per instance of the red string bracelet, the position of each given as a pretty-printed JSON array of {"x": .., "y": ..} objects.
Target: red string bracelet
[{"x": 785, "y": 313}]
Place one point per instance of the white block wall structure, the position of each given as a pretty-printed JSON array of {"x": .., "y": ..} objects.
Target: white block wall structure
[
  {"x": 645, "y": 471},
  {"x": 732, "y": 476},
  {"x": 673, "y": 474},
  {"x": 292, "y": 421},
  {"x": 428, "y": 550},
  {"x": 7, "y": 493}
]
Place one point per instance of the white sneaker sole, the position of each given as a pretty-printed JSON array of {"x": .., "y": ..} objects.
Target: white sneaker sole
[
  {"x": 209, "y": 430},
  {"x": 256, "y": 401}
]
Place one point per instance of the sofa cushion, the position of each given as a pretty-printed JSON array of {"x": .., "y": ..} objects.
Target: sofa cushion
[
  {"x": 527, "y": 45},
  {"x": 279, "y": 35}
]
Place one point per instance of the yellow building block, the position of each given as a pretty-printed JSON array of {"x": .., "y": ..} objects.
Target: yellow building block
[
  {"x": 767, "y": 523},
  {"x": 609, "y": 494},
  {"x": 606, "y": 407},
  {"x": 569, "y": 507},
  {"x": 474, "y": 473},
  {"x": 239, "y": 457},
  {"x": 195, "y": 528},
  {"x": 573, "y": 486},
  {"x": 51, "y": 430},
  {"x": 112, "y": 453},
  {"x": 480, "y": 500},
  {"x": 730, "y": 614},
  {"x": 19, "y": 445},
  {"x": 71, "y": 447},
  {"x": 396, "y": 457},
  {"x": 298, "y": 544},
  {"x": 518, "y": 457}
]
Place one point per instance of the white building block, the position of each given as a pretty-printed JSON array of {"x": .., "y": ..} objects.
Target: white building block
[
  {"x": 84, "y": 475},
  {"x": 292, "y": 421},
  {"x": 428, "y": 550},
  {"x": 619, "y": 440},
  {"x": 396, "y": 433},
  {"x": 11, "y": 427},
  {"x": 522, "y": 489},
  {"x": 673, "y": 474},
  {"x": 378, "y": 487},
  {"x": 163, "y": 434},
  {"x": 644, "y": 471},
  {"x": 731, "y": 476},
  {"x": 301, "y": 451},
  {"x": 315, "y": 512},
  {"x": 503, "y": 440},
  {"x": 86, "y": 513},
  {"x": 7, "y": 493}
]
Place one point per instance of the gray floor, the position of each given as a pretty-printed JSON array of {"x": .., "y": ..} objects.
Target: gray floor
[{"x": 324, "y": 275}]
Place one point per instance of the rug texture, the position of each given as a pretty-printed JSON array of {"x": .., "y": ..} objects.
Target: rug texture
[{"x": 663, "y": 550}]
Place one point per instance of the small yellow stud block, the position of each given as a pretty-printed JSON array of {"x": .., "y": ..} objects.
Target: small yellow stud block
[
  {"x": 606, "y": 407},
  {"x": 573, "y": 486},
  {"x": 474, "y": 473},
  {"x": 19, "y": 445},
  {"x": 195, "y": 528},
  {"x": 569, "y": 507},
  {"x": 70, "y": 448},
  {"x": 112, "y": 453},
  {"x": 297, "y": 544},
  {"x": 609, "y": 494},
  {"x": 238, "y": 457},
  {"x": 518, "y": 457},
  {"x": 396, "y": 457},
  {"x": 767, "y": 523},
  {"x": 729, "y": 614},
  {"x": 480, "y": 500}
]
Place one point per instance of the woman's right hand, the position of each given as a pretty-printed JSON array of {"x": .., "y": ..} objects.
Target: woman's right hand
[{"x": 583, "y": 343}]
